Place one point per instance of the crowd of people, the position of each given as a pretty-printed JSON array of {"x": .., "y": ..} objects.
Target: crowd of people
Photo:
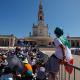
[
  {"x": 22, "y": 64},
  {"x": 31, "y": 64}
]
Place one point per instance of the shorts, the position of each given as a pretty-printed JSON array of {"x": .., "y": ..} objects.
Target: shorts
[{"x": 52, "y": 64}]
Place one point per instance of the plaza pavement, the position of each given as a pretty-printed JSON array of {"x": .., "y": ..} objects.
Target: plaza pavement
[{"x": 76, "y": 63}]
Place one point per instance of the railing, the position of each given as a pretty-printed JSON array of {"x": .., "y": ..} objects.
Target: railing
[{"x": 63, "y": 75}]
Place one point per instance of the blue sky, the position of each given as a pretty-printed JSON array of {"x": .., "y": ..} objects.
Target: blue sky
[{"x": 18, "y": 16}]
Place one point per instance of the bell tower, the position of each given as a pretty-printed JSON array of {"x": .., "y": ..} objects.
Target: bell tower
[
  {"x": 40, "y": 30},
  {"x": 40, "y": 12}
]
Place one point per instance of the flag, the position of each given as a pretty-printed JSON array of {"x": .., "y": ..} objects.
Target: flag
[
  {"x": 68, "y": 68},
  {"x": 69, "y": 58}
]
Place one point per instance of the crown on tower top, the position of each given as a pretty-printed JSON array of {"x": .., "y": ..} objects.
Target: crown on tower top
[{"x": 40, "y": 12}]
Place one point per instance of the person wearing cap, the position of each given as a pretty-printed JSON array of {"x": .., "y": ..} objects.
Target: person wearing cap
[
  {"x": 60, "y": 55},
  {"x": 27, "y": 70}
]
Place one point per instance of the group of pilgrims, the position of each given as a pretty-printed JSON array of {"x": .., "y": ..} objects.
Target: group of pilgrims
[
  {"x": 23, "y": 64},
  {"x": 31, "y": 64}
]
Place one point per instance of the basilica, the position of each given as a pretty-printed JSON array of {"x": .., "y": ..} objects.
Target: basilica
[{"x": 39, "y": 34}]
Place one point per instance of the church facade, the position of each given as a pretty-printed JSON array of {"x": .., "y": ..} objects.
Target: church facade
[
  {"x": 40, "y": 30},
  {"x": 74, "y": 42},
  {"x": 39, "y": 35},
  {"x": 7, "y": 40}
]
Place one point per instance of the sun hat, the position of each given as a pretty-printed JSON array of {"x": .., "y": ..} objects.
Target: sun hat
[{"x": 25, "y": 60}]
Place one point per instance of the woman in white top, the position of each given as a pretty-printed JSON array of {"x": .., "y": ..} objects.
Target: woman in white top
[{"x": 52, "y": 66}]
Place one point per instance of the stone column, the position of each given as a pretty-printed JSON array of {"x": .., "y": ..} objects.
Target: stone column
[{"x": 11, "y": 41}]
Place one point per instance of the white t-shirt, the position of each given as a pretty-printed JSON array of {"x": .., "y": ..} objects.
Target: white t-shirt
[{"x": 58, "y": 50}]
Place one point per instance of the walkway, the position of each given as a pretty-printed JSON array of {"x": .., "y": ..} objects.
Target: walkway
[{"x": 76, "y": 63}]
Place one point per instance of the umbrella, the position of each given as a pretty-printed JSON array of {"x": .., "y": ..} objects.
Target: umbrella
[{"x": 14, "y": 62}]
